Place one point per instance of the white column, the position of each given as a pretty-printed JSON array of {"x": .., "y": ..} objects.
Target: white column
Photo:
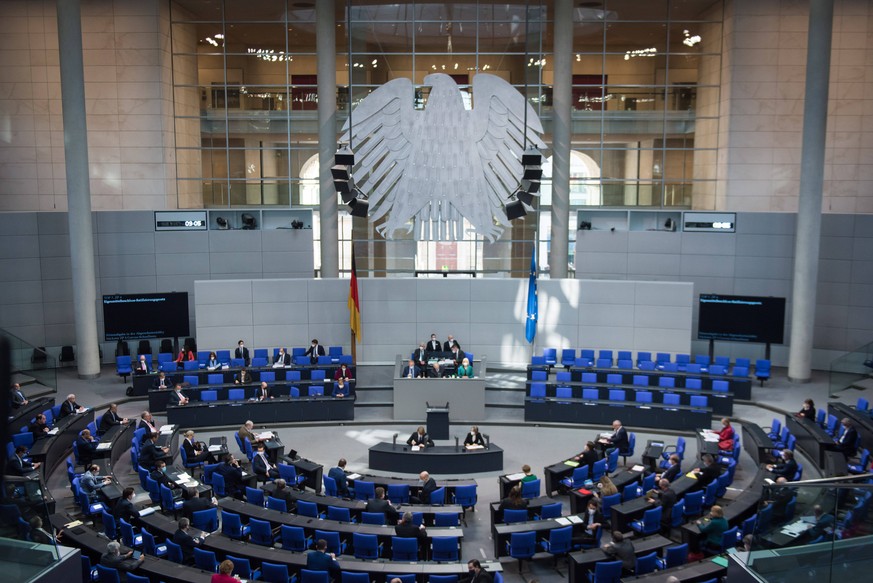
[
  {"x": 808, "y": 236},
  {"x": 325, "y": 42},
  {"x": 562, "y": 94}
]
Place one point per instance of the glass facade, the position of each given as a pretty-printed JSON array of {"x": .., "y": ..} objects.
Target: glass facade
[{"x": 645, "y": 94}]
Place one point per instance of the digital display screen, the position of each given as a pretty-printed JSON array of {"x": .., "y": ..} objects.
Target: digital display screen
[
  {"x": 741, "y": 318},
  {"x": 143, "y": 316}
]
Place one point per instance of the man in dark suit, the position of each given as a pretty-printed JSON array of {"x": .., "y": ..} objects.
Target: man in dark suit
[
  {"x": 114, "y": 559},
  {"x": 161, "y": 382},
  {"x": 665, "y": 498},
  {"x": 321, "y": 560},
  {"x": 592, "y": 518},
  {"x": 428, "y": 485},
  {"x": 110, "y": 419},
  {"x": 263, "y": 392},
  {"x": 420, "y": 438},
  {"x": 281, "y": 491},
  {"x": 379, "y": 504},
  {"x": 124, "y": 507},
  {"x": 186, "y": 541},
  {"x": 150, "y": 452},
  {"x": 17, "y": 466},
  {"x": 338, "y": 474},
  {"x": 282, "y": 358},
  {"x": 848, "y": 441},
  {"x": 261, "y": 465},
  {"x": 708, "y": 473},
  {"x": 16, "y": 397},
  {"x": 588, "y": 456},
  {"x": 448, "y": 344},
  {"x": 86, "y": 445},
  {"x": 39, "y": 427},
  {"x": 418, "y": 357},
  {"x": 621, "y": 549},
  {"x": 411, "y": 370},
  {"x": 147, "y": 422},
  {"x": 618, "y": 439},
  {"x": 160, "y": 476},
  {"x": 243, "y": 378},
  {"x": 70, "y": 406},
  {"x": 315, "y": 350},
  {"x": 231, "y": 472},
  {"x": 784, "y": 467},
  {"x": 672, "y": 472},
  {"x": 434, "y": 345},
  {"x": 242, "y": 352},
  {"x": 142, "y": 365},
  {"x": 824, "y": 522},
  {"x": 780, "y": 496},
  {"x": 475, "y": 573},
  {"x": 408, "y": 529},
  {"x": 194, "y": 503},
  {"x": 195, "y": 452}
]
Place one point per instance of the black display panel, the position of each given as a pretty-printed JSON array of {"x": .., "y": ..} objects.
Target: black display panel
[
  {"x": 741, "y": 318},
  {"x": 142, "y": 316}
]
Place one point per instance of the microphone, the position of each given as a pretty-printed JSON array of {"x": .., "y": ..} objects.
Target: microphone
[
  {"x": 456, "y": 443},
  {"x": 487, "y": 440},
  {"x": 394, "y": 442}
]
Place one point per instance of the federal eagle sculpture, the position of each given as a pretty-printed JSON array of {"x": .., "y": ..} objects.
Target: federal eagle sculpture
[{"x": 431, "y": 169}]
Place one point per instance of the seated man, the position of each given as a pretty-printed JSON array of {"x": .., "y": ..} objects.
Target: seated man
[
  {"x": 91, "y": 482},
  {"x": 407, "y": 529},
  {"x": 161, "y": 382},
  {"x": 16, "y": 397},
  {"x": 70, "y": 406},
  {"x": 124, "y": 508},
  {"x": 282, "y": 358},
  {"x": 194, "y": 503},
  {"x": 419, "y": 356},
  {"x": 177, "y": 397},
  {"x": 245, "y": 432},
  {"x": 420, "y": 438},
  {"x": 665, "y": 498},
  {"x": 380, "y": 504},
  {"x": 160, "y": 476},
  {"x": 150, "y": 453},
  {"x": 17, "y": 466},
  {"x": 621, "y": 549},
  {"x": 263, "y": 392},
  {"x": 261, "y": 465},
  {"x": 338, "y": 474},
  {"x": 186, "y": 541},
  {"x": 110, "y": 419},
  {"x": 39, "y": 427},
  {"x": 708, "y": 473},
  {"x": 283, "y": 492},
  {"x": 411, "y": 371},
  {"x": 786, "y": 466},
  {"x": 672, "y": 472},
  {"x": 824, "y": 523},
  {"x": 121, "y": 561},
  {"x": 428, "y": 486},
  {"x": 243, "y": 378},
  {"x": 142, "y": 365},
  {"x": 86, "y": 445},
  {"x": 321, "y": 560},
  {"x": 435, "y": 371},
  {"x": 617, "y": 440},
  {"x": 230, "y": 470},
  {"x": 147, "y": 422},
  {"x": 780, "y": 496}
]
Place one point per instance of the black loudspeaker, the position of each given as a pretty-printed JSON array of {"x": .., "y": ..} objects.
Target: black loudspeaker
[
  {"x": 585, "y": 226},
  {"x": 514, "y": 210},
  {"x": 359, "y": 207},
  {"x": 345, "y": 157}
]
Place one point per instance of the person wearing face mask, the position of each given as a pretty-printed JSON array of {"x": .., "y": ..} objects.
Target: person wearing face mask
[
  {"x": 242, "y": 352},
  {"x": 315, "y": 350},
  {"x": 434, "y": 345},
  {"x": 475, "y": 573},
  {"x": 474, "y": 439}
]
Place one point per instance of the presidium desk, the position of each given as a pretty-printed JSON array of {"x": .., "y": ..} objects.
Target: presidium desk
[{"x": 466, "y": 397}]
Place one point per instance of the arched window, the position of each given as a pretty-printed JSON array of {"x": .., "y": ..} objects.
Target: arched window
[
  {"x": 585, "y": 189},
  {"x": 309, "y": 181}
]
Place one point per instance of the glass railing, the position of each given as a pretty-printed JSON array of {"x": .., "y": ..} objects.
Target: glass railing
[
  {"x": 32, "y": 367},
  {"x": 850, "y": 368},
  {"x": 818, "y": 530},
  {"x": 26, "y": 532}
]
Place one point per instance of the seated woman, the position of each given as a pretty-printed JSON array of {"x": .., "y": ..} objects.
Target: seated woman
[
  {"x": 185, "y": 354},
  {"x": 212, "y": 363},
  {"x": 713, "y": 526},
  {"x": 514, "y": 501},
  {"x": 807, "y": 411},
  {"x": 474, "y": 439},
  {"x": 465, "y": 369},
  {"x": 726, "y": 436},
  {"x": 340, "y": 388},
  {"x": 343, "y": 372}
]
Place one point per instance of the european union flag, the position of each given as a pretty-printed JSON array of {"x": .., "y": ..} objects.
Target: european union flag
[{"x": 530, "y": 326}]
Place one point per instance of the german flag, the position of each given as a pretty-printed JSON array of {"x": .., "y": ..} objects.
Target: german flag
[{"x": 354, "y": 302}]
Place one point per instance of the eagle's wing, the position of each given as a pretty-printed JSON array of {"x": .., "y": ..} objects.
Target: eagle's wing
[
  {"x": 381, "y": 136},
  {"x": 499, "y": 133}
]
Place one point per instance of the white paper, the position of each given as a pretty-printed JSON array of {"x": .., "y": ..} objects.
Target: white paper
[
  {"x": 214, "y": 448},
  {"x": 167, "y": 428},
  {"x": 183, "y": 477},
  {"x": 103, "y": 446},
  {"x": 514, "y": 477},
  {"x": 574, "y": 519},
  {"x": 146, "y": 511},
  {"x": 563, "y": 521},
  {"x": 416, "y": 448},
  {"x": 53, "y": 431},
  {"x": 637, "y": 468},
  {"x": 353, "y": 476},
  {"x": 265, "y": 435}
]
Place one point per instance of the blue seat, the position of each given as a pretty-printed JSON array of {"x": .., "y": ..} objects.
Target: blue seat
[
  {"x": 377, "y": 518},
  {"x": 651, "y": 522},
  {"x": 590, "y": 394},
  {"x": 209, "y": 395},
  {"x": 218, "y": 484},
  {"x": 334, "y": 544},
  {"x": 208, "y": 471},
  {"x": 168, "y": 503},
  {"x": 446, "y": 519},
  {"x": 551, "y": 356},
  {"x": 644, "y": 397},
  {"x": 693, "y": 368},
  {"x": 205, "y": 560},
  {"x": 530, "y": 489},
  {"x": 174, "y": 552},
  {"x": 617, "y": 395},
  {"x": 603, "y": 363},
  {"x": 694, "y": 503},
  {"x": 564, "y": 393},
  {"x": 465, "y": 496},
  {"x": 512, "y": 515},
  {"x": 438, "y": 497},
  {"x": 560, "y": 541},
  {"x": 563, "y": 376},
  {"x": 316, "y": 390},
  {"x": 741, "y": 372},
  {"x": 186, "y": 463},
  {"x": 539, "y": 375},
  {"x": 646, "y": 564},
  {"x": 580, "y": 475},
  {"x": 293, "y": 538},
  {"x": 762, "y": 370},
  {"x": 537, "y": 390},
  {"x": 404, "y": 549},
  {"x": 150, "y": 547},
  {"x": 717, "y": 370},
  {"x": 720, "y": 386},
  {"x": 192, "y": 380},
  {"x": 598, "y": 469},
  {"x": 339, "y": 514},
  {"x": 214, "y": 379},
  {"x": 629, "y": 452},
  {"x": 625, "y": 364},
  {"x": 277, "y": 504},
  {"x": 641, "y": 380},
  {"x": 606, "y": 572},
  {"x": 568, "y": 357},
  {"x": 123, "y": 367},
  {"x": 675, "y": 556},
  {"x": 667, "y": 382},
  {"x": 237, "y": 362},
  {"x": 646, "y": 365},
  {"x": 259, "y": 361},
  {"x": 236, "y": 394},
  {"x": 728, "y": 539},
  {"x": 243, "y": 568},
  {"x": 682, "y": 361},
  {"x": 699, "y": 401},
  {"x": 309, "y": 576},
  {"x": 107, "y": 574},
  {"x": 261, "y": 532},
  {"x": 232, "y": 527},
  {"x": 444, "y": 548},
  {"x": 255, "y": 496},
  {"x": 364, "y": 490},
  {"x": 538, "y": 361},
  {"x": 128, "y": 535},
  {"x": 267, "y": 376},
  {"x": 109, "y": 527},
  {"x": 310, "y": 509},
  {"x": 349, "y": 577},
  {"x": 288, "y": 472},
  {"x": 631, "y": 492},
  {"x": 205, "y": 520},
  {"x": 522, "y": 546},
  {"x": 223, "y": 356},
  {"x": 275, "y": 573},
  {"x": 548, "y": 511},
  {"x": 317, "y": 375},
  {"x": 609, "y": 502},
  {"x": 330, "y": 488},
  {"x": 644, "y": 357},
  {"x": 612, "y": 461}
]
